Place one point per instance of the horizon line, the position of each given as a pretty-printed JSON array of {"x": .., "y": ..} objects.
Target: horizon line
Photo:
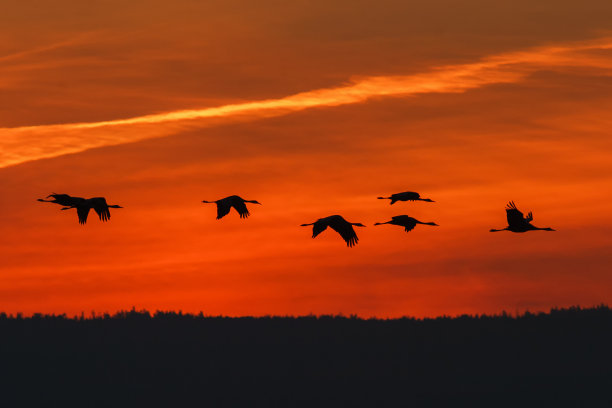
[{"x": 353, "y": 316}]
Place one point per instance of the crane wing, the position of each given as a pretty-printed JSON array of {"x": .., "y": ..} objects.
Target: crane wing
[
  {"x": 63, "y": 199},
  {"x": 100, "y": 207},
  {"x": 347, "y": 233},
  {"x": 407, "y": 222},
  {"x": 409, "y": 227},
  {"x": 241, "y": 207},
  {"x": 514, "y": 216},
  {"x": 318, "y": 227},
  {"x": 411, "y": 195},
  {"x": 408, "y": 196},
  {"x": 223, "y": 208},
  {"x": 76, "y": 201},
  {"x": 82, "y": 212}
]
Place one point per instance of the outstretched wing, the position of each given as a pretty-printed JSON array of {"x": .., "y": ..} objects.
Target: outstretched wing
[
  {"x": 318, "y": 227},
  {"x": 409, "y": 227},
  {"x": 347, "y": 233},
  {"x": 223, "y": 208},
  {"x": 407, "y": 196},
  {"x": 514, "y": 216},
  {"x": 241, "y": 207},
  {"x": 100, "y": 207},
  {"x": 63, "y": 199},
  {"x": 405, "y": 221},
  {"x": 411, "y": 195},
  {"x": 82, "y": 212}
]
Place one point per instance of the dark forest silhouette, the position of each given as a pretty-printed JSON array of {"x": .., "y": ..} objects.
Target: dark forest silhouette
[{"x": 561, "y": 358}]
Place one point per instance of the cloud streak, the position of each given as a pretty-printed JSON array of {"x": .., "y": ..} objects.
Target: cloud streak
[
  {"x": 23, "y": 144},
  {"x": 17, "y": 56}
]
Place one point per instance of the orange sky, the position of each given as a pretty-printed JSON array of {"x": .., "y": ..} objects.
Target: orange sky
[{"x": 312, "y": 109}]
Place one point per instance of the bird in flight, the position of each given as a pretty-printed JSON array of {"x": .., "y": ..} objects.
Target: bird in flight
[
  {"x": 83, "y": 205},
  {"x": 406, "y": 196},
  {"x": 224, "y": 206},
  {"x": 405, "y": 221},
  {"x": 338, "y": 224},
  {"x": 517, "y": 222}
]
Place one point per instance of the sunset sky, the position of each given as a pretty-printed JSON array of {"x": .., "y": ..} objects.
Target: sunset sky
[{"x": 313, "y": 108}]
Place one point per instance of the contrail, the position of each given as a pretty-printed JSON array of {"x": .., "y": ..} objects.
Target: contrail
[{"x": 22, "y": 144}]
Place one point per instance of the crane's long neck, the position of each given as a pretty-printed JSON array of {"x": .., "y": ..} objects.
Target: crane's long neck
[
  {"x": 381, "y": 223},
  {"x": 305, "y": 225},
  {"x": 209, "y": 202},
  {"x": 427, "y": 223},
  {"x": 114, "y": 206},
  {"x": 497, "y": 230},
  {"x": 543, "y": 229}
]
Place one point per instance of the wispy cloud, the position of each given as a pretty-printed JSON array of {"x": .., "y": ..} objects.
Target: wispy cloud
[
  {"x": 79, "y": 39},
  {"x": 22, "y": 144}
]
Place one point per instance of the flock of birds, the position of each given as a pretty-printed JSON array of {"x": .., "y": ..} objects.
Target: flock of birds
[{"x": 517, "y": 222}]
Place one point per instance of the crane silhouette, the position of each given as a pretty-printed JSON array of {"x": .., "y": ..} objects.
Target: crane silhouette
[
  {"x": 224, "y": 206},
  {"x": 517, "y": 222},
  {"x": 405, "y": 221},
  {"x": 338, "y": 224},
  {"x": 406, "y": 196},
  {"x": 83, "y": 205}
]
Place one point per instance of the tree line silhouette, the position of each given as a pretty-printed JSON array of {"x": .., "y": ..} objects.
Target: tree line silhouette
[{"x": 135, "y": 358}]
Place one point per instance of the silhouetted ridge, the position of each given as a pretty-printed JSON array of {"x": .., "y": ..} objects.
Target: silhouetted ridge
[{"x": 133, "y": 358}]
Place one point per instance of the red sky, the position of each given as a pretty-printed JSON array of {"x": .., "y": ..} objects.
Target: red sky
[{"x": 313, "y": 109}]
